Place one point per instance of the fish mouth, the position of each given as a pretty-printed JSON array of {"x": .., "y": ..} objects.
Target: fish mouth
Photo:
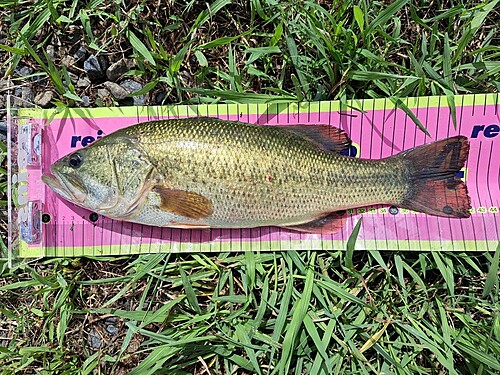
[{"x": 69, "y": 186}]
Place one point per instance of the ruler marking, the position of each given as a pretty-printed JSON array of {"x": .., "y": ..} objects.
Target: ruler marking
[{"x": 69, "y": 244}]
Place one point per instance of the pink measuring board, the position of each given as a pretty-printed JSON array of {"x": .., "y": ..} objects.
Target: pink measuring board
[{"x": 378, "y": 129}]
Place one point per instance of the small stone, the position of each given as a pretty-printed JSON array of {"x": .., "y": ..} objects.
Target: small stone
[
  {"x": 102, "y": 93},
  {"x": 62, "y": 50},
  {"x": 83, "y": 82},
  {"x": 80, "y": 53},
  {"x": 23, "y": 97},
  {"x": 112, "y": 330},
  {"x": 133, "y": 346},
  {"x": 85, "y": 101},
  {"x": 73, "y": 77},
  {"x": 117, "y": 91},
  {"x": 93, "y": 69},
  {"x": 23, "y": 71},
  {"x": 40, "y": 80},
  {"x": 160, "y": 97},
  {"x": 74, "y": 34},
  {"x": 117, "y": 69},
  {"x": 94, "y": 340},
  {"x": 27, "y": 94},
  {"x": 51, "y": 51},
  {"x": 104, "y": 62},
  {"x": 133, "y": 86},
  {"x": 43, "y": 98},
  {"x": 4, "y": 84},
  {"x": 68, "y": 61},
  {"x": 111, "y": 320},
  {"x": 3, "y": 127}
]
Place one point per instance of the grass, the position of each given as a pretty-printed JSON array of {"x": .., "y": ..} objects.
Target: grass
[
  {"x": 256, "y": 313},
  {"x": 335, "y": 312}
]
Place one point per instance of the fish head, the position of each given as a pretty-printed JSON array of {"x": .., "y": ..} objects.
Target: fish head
[{"x": 110, "y": 177}]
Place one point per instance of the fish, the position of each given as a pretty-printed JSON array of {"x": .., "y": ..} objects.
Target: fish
[{"x": 211, "y": 173}]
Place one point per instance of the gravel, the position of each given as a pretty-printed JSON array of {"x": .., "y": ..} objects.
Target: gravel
[
  {"x": 68, "y": 61},
  {"x": 94, "y": 340},
  {"x": 111, "y": 329},
  {"x": 132, "y": 87},
  {"x": 85, "y": 101},
  {"x": 3, "y": 84},
  {"x": 160, "y": 97},
  {"x": 83, "y": 82},
  {"x": 111, "y": 320},
  {"x": 73, "y": 77},
  {"x": 43, "y": 98},
  {"x": 102, "y": 93},
  {"x": 117, "y": 69},
  {"x": 117, "y": 91},
  {"x": 93, "y": 69},
  {"x": 23, "y": 71},
  {"x": 23, "y": 97},
  {"x": 51, "y": 51},
  {"x": 80, "y": 54}
]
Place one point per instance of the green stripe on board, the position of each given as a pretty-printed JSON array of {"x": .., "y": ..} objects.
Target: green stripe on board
[
  {"x": 244, "y": 109},
  {"x": 383, "y": 245}
]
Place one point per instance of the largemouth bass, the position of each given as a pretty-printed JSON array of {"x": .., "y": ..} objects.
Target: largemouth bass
[{"x": 211, "y": 173}]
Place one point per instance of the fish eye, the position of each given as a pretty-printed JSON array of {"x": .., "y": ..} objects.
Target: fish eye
[{"x": 75, "y": 160}]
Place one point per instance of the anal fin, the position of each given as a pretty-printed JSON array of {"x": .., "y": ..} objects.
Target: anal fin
[{"x": 328, "y": 224}]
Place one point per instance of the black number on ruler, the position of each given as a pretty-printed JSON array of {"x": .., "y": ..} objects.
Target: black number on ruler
[{"x": 393, "y": 210}]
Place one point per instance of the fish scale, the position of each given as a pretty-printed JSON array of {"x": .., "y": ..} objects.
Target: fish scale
[
  {"x": 259, "y": 175},
  {"x": 206, "y": 172}
]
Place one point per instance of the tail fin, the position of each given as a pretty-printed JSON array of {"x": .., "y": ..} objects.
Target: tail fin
[{"x": 434, "y": 187}]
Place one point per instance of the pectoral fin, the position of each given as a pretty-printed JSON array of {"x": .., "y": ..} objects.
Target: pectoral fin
[
  {"x": 184, "y": 203},
  {"x": 329, "y": 224}
]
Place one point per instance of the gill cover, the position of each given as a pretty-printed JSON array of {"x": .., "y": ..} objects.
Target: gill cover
[{"x": 110, "y": 176}]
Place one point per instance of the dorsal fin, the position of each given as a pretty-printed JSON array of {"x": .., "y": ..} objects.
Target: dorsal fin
[{"x": 327, "y": 137}]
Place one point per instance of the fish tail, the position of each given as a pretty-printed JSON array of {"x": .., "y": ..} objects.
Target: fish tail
[{"x": 434, "y": 187}]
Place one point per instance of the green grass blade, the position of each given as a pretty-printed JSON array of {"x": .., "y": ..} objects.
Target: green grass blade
[
  {"x": 190, "y": 293},
  {"x": 385, "y": 15},
  {"x": 175, "y": 64},
  {"x": 250, "y": 270},
  {"x": 312, "y": 331},
  {"x": 140, "y": 47},
  {"x": 482, "y": 12},
  {"x": 351, "y": 245},
  {"x": 492, "y": 277},
  {"x": 241, "y": 334},
  {"x": 212, "y": 10},
  {"x": 359, "y": 16},
  {"x": 399, "y": 103},
  {"x": 445, "y": 270},
  {"x": 293, "y": 328},
  {"x": 479, "y": 355},
  {"x": 361, "y": 75}
]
